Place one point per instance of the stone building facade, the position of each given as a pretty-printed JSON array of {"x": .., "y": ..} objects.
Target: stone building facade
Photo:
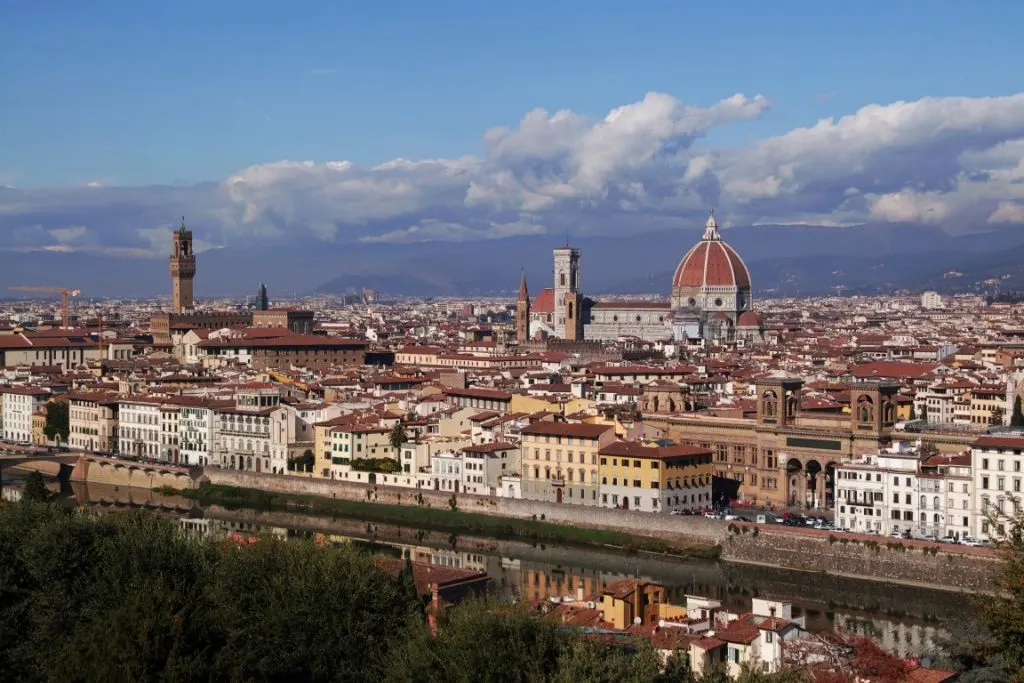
[{"x": 782, "y": 456}]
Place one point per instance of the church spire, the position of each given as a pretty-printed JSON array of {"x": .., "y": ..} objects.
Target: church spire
[{"x": 524, "y": 293}]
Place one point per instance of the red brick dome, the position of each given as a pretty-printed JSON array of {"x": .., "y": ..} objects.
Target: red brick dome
[
  {"x": 712, "y": 263},
  {"x": 749, "y": 319}
]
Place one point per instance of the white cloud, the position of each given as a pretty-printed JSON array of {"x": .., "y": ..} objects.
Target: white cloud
[
  {"x": 74, "y": 233},
  {"x": 1007, "y": 212},
  {"x": 909, "y": 206},
  {"x": 953, "y": 162}
]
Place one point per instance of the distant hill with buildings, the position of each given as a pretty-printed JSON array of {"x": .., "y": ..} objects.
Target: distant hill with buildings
[{"x": 802, "y": 260}]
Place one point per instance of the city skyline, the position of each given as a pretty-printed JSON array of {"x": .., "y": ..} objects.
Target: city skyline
[{"x": 456, "y": 124}]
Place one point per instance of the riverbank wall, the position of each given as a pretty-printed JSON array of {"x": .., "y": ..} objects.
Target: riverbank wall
[
  {"x": 864, "y": 557},
  {"x": 847, "y": 555}
]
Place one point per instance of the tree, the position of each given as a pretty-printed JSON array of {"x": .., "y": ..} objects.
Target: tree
[
  {"x": 996, "y": 416},
  {"x": 596, "y": 662},
  {"x": 913, "y": 412},
  {"x": 1017, "y": 417},
  {"x": 407, "y": 588},
  {"x": 677, "y": 668},
  {"x": 924, "y": 412},
  {"x": 58, "y": 423},
  {"x": 1003, "y": 616},
  {"x": 397, "y": 438},
  {"x": 35, "y": 489}
]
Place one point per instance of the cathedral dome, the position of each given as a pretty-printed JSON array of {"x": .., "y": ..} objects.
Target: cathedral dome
[
  {"x": 712, "y": 263},
  {"x": 749, "y": 319}
]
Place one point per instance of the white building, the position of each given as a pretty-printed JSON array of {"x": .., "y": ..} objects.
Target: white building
[
  {"x": 894, "y": 491},
  {"x": 446, "y": 471},
  {"x": 170, "y": 444},
  {"x": 484, "y": 465},
  {"x": 997, "y": 467},
  {"x": 18, "y": 405},
  {"x": 197, "y": 431},
  {"x": 759, "y": 639},
  {"x": 140, "y": 427},
  {"x": 932, "y": 301}
]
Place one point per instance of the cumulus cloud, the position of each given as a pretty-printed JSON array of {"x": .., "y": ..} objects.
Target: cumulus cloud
[{"x": 953, "y": 162}]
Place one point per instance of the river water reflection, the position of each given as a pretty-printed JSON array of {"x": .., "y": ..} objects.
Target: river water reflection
[{"x": 903, "y": 619}]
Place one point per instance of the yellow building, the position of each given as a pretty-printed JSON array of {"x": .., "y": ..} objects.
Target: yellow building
[
  {"x": 624, "y": 602},
  {"x": 559, "y": 461},
  {"x": 39, "y": 427},
  {"x": 358, "y": 443},
  {"x": 987, "y": 405},
  {"x": 655, "y": 478}
]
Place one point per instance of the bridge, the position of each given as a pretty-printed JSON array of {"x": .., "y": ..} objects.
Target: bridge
[
  {"x": 11, "y": 459},
  {"x": 89, "y": 467}
]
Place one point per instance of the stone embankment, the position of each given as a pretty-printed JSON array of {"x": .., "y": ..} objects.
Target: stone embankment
[{"x": 868, "y": 557}]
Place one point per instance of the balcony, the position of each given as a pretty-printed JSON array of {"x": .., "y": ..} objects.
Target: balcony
[{"x": 557, "y": 481}]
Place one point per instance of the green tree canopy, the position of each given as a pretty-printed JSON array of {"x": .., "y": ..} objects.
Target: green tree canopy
[
  {"x": 35, "y": 488},
  {"x": 58, "y": 423}
]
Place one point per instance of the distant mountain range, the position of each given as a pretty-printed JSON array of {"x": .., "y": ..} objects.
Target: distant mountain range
[{"x": 790, "y": 260}]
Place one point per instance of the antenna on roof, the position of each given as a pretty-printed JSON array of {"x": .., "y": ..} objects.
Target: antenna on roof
[{"x": 567, "y": 235}]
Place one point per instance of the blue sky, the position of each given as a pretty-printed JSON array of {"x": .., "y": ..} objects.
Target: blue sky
[
  {"x": 141, "y": 93},
  {"x": 460, "y": 121}
]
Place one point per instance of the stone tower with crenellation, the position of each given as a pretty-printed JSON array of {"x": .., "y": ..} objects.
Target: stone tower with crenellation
[{"x": 183, "y": 270}]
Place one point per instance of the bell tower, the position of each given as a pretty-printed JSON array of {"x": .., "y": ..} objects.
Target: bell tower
[
  {"x": 183, "y": 270},
  {"x": 568, "y": 299},
  {"x": 523, "y": 313}
]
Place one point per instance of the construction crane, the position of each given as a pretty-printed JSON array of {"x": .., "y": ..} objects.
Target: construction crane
[{"x": 65, "y": 294}]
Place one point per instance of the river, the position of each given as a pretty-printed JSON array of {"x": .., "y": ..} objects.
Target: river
[{"x": 903, "y": 619}]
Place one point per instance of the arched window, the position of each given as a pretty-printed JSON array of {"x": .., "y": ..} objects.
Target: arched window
[
  {"x": 924, "y": 502},
  {"x": 865, "y": 409},
  {"x": 935, "y": 503},
  {"x": 770, "y": 404},
  {"x": 561, "y": 279}
]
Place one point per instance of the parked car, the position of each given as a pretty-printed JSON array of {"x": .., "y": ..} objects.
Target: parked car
[
  {"x": 973, "y": 542},
  {"x": 948, "y": 539}
]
